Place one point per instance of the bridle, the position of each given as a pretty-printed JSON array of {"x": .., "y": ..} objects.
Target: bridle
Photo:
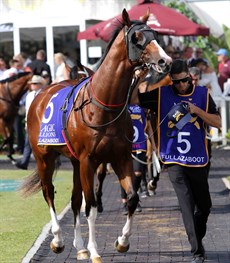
[{"x": 135, "y": 47}]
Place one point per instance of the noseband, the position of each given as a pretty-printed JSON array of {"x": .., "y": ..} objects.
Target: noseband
[{"x": 134, "y": 47}]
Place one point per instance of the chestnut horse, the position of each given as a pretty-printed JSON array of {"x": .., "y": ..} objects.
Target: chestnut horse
[
  {"x": 96, "y": 131},
  {"x": 11, "y": 91}
]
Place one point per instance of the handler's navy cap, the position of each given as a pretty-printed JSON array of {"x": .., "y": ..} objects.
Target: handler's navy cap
[{"x": 179, "y": 115}]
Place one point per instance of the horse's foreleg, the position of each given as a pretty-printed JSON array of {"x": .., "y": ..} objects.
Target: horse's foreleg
[
  {"x": 92, "y": 245},
  {"x": 87, "y": 182},
  {"x": 124, "y": 170},
  {"x": 78, "y": 242}
]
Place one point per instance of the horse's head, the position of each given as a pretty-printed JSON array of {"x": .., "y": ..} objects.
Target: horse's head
[{"x": 142, "y": 44}]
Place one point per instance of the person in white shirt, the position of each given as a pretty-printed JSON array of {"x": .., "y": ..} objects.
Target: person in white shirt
[
  {"x": 2, "y": 67},
  {"x": 61, "y": 71},
  {"x": 209, "y": 78},
  {"x": 14, "y": 69}
]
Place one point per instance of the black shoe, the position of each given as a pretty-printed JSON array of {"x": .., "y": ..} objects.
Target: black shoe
[
  {"x": 152, "y": 186},
  {"x": 144, "y": 194},
  {"x": 138, "y": 209},
  {"x": 21, "y": 166},
  {"x": 198, "y": 260},
  {"x": 125, "y": 209}
]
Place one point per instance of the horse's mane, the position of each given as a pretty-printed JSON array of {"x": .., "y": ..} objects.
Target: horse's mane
[
  {"x": 78, "y": 64},
  {"x": 17, "y": 76},
  {"x": 116, "y": 31}
]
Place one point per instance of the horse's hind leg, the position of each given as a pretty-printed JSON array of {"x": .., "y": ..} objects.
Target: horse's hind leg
[
  {"x": 101, "y": 173},
  {"x": 76, "y": 202},
  {"x": 46, "y": 167}
]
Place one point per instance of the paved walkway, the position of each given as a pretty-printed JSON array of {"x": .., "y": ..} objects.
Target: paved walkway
[{"x": 158, "y": 232}]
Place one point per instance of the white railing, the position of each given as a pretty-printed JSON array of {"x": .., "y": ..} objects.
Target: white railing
[{"x": 224, "y": 106}]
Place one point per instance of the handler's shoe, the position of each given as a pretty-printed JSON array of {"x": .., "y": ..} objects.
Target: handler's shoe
[
  {"x": 21, "y": 166},
  {"x": 139, "y": 208},
  {"x": 198, "y": 260}
]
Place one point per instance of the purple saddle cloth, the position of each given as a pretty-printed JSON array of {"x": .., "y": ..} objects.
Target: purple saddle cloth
[{"x": 52, "y": 122}]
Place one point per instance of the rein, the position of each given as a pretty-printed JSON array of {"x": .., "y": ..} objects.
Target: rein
[
  {"x": 95, "y": 100},
  {"x": 109, "y": 122}
]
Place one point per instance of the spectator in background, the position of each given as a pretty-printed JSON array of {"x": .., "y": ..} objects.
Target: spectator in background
[
  {"x": 195, "y": 74},
  {"x": 25, "y": 60},
  {"x": 170, "y": 50},
  {"x": 39, "y": 64},
  {"x": 61, "y": 71},
  {"x": 46, "y": 77},
  {"x": 208, "y": 78},
  {"x": 223, "y": 67},
  {"x": 187, "y": 54},
  {"x": 177, "y": 54},
  {"x": 15, "y": 68},
  {"x": 198, "y": 53},
  {"x": 3, "y": 67}
]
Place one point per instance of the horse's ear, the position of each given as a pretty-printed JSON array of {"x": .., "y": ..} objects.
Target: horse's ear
[
  {"x": 67, "y": 67},
  {"x": 125, "y": 17},
  {"x": 145, "y": 18}
]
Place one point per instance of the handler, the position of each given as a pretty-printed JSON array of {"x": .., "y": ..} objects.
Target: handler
[{"x": 184, "y": 111}]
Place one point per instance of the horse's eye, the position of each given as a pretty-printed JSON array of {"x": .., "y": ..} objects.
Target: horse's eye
[
  {"x": 138, "y": 38},
  {"x": 134, "y": 38},
  {"x": 141, "y": 39}
]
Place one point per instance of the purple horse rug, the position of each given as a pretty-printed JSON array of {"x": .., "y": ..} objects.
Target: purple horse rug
[{"x": 51, "y": 130}]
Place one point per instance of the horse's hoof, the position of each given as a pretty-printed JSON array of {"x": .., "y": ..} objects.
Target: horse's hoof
[
  {"x": 96, "y": 260},
  {"x": 55, "y": 249},
  {"x": 82, "y": 254},
  {"x": 121, "y": 248},
  {"x": 100, "y": 208}
]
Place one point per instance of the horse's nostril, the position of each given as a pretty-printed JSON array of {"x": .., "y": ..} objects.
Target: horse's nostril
[{"x": 161, "y": 62}]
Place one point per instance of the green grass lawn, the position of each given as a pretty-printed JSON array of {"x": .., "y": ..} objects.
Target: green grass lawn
[{"x": 21, "y": 220}]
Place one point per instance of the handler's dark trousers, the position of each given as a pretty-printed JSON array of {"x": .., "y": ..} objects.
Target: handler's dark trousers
[{"x": 192, "y": 190}]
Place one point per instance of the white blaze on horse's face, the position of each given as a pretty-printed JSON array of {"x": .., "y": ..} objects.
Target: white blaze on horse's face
[{"x": 157, "y": 57}]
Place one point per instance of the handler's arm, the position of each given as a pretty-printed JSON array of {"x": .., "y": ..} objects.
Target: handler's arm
[{"x": 212, "y": 119}]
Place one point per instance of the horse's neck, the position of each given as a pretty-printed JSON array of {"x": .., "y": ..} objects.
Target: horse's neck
[
  {"x": 16, "y": 90},
  {"x": 112, "y": 80}
]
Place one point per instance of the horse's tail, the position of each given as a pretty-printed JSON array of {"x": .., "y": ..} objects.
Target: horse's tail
[{"x": 30, "y": 185}]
